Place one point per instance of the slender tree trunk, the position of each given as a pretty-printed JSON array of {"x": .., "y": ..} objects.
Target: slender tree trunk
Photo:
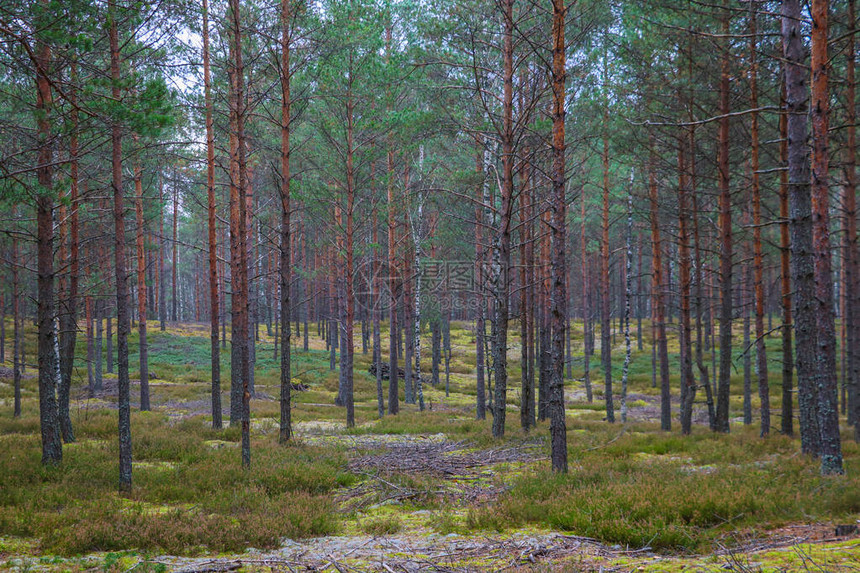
[
  {"x": 349, "y": 351},
  {"x": 525, "y": 389},
  {"x": 240, "y": 395},
  {"x": 162, "y": 284},
  {"x": 375, "y": 279},
  {"x": 214, "y": 302},
  {"x": 68, "y": 318},
  {"x": 52, "y": 446},
  {"x": 98, "y": 307},
  {"x": 605, "y": 319},
  {"x": 657, "y": 288},
  {"x": 285, "y": 429},
  {"x": 141, "y": 292},
  {"x": 688, "y": 383},
  {"x": 787, "y": 426},
  {"x": 852, "y": 251},
  {"x": 725, "y": 225},
  {"x": 758, "y": 259},
  {"x": 122, "y": 316},
  {"x": 558, "y": 429},
  {"x": 16, "y": 328},
  {"x": 480, "y": 326},
  {"x": 90, "y": 345},
  {"x": 502, "y": 252},
  {"x": 800, "y": 200},
  {"x": 586, "y": 307},
  {"x": 828, "y": 405},
  {"x": 627, "y": 292},
  {"x": 175, "y": 299}
]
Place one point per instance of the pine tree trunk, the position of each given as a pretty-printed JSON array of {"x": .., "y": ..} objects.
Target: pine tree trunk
[
  {"x": 627, "y": 295},
  {"x": 502, "y": 251},
  {"x": 68, "y": 318},
  {"x": 285, "y": 267},
  {"x": 828, "y": 405},
  {"x": 605, "y": 319},
  {"x": 141, "y": 293},
  {"x": 240, "y": 394},
  {"x": 802, "y": 264},
  {"x": 662, "y": 350},
  {"x": 787, "y": 426},
  {"x": 688, "y": 383},
  {"x": 480, "y": 326},
  {"x": 725, "y": 226},
  {"x": 122, "y": 311},
  {"x": 16, "y": 327},
  {"x": 586, "y": 307},
  {"x": 90, "y": 345},
  {"x": 852, "y": 250},
  {"x": 758, "y": 259},
  {"x": 214, "y": 302},
  {"x": 558, "y": 428},
  {"x": 350, "y": 254}
]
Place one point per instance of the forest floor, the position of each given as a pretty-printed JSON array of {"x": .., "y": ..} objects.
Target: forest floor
[{"x": 422, "y": 491}]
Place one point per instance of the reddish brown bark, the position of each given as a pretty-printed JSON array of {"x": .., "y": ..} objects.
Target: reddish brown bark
[
  {"x": 657, "y": 294},
  {"x": 141, "y": 291},
  {"x": 828, "y": 414}
]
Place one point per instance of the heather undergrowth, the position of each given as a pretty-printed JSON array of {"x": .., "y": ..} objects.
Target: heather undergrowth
[{"x": 631, "y": 485}]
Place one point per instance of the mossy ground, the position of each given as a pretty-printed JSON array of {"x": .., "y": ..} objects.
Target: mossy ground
[{"x": 629, "y": 487}]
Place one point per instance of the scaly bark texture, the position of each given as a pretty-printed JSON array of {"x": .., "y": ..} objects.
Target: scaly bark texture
[
  {"x": 502, "y": 251},
  {"x": 558, "y": 428},
  {"x": 787, "y": 425},
  {"x": 141, "y": 291},
  {"x": 52, "y": 445},
  {"x": 800, "y": 201},
  {"x": 240, "y": 395},
  {"x": 214, "y": 301},
  {"x": 688, "y": 384},
  {"x": 480, "y": 326},
  {"x": 662, "y": 349},
  {"x": 825, "y": 364},
  {"x": 758, "y": 264},
  {"x": 123, "y": 325},
  {"x": 852, "y": 250},
  {"x": 285, "y": 429},
  {"x": 726, "y": 248},
  {"x": 605, "y": 320}
]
